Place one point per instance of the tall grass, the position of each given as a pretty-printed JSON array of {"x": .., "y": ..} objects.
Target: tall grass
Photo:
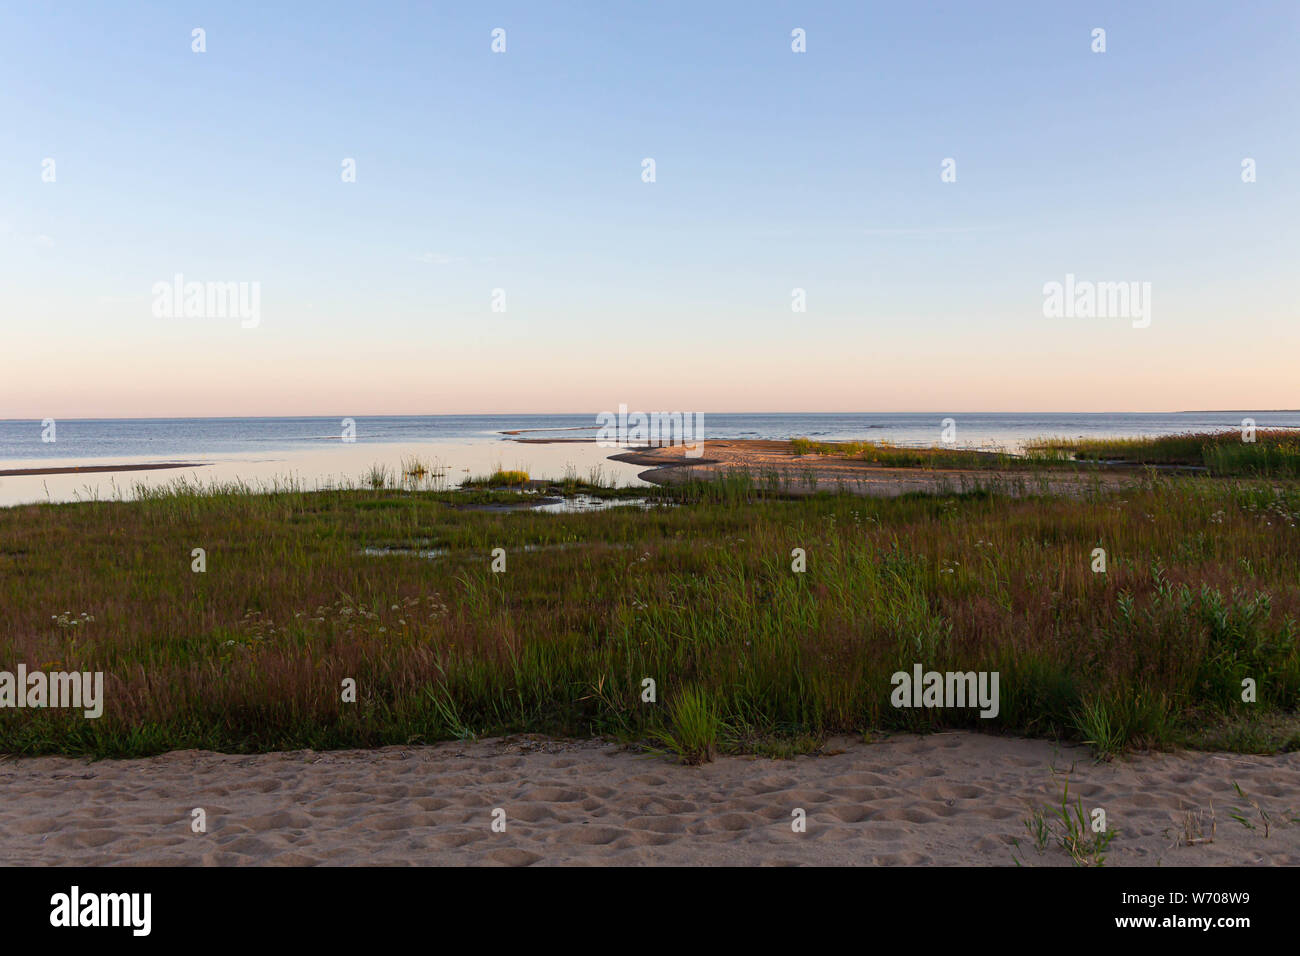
[
  {"x": 500, "y": 478},
  {"x": 1201, "y": 593},
  {"x": 695, "y": 727},
  {"x": 1272, "y": 453},
  {"x": 890, "y": 455}
]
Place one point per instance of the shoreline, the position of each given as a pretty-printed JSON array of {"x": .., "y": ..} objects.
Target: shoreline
[
  {"x": 773, "y": 460},
  {"x": 765, "y": 459},
  {"x": 100, "y": 469}
]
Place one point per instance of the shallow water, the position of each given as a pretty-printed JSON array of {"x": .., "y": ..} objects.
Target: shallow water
[
  {"x": 314, "y": 452},
  {"x": 188, "y": 439},
  {"x": 408, "y": 552},
  {"x": 326, "y": 466},
  {"x": 430, "y": 553},
  {"x": 577, "y": 504}
]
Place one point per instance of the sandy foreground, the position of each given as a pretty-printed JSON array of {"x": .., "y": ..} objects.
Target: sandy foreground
[
  {"x": 950, "y": 799},
  {"x": 807, "y": 474}
]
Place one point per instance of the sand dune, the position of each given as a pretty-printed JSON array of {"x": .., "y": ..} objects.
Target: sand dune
[{"x": 942, "y": 799}]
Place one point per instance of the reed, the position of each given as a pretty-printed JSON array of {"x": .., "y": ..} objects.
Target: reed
[
  {"x": 1270, "y": 453},
  {"x": 393, "y": 587}
]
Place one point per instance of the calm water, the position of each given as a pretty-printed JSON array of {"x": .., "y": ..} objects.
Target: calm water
[
  {"x": 189, "y": 439},
  {"x": 259, "y": 450}
]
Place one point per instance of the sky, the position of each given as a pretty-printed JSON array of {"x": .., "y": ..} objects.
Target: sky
[{"x": 517, "y": 178}]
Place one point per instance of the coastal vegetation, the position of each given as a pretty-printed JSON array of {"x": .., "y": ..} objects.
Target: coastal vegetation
[
  {"x": 1268, "y": 453},
  {"x": 500, "y": 478},
  {"x": 1273, "y": 452},
  {"x": 889, "y": 455},
  {"x": 693, "y": 588}
]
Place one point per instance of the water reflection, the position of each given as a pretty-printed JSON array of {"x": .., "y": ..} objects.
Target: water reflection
[{"x": 424, "y": 467}]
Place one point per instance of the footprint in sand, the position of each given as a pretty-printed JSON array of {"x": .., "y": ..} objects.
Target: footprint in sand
[
  {"x": 732, "y": 822},
  {"x": 85, "y": 838},
  {"x": 590, "y": 835},
  {"x": 554, "y": 795},
  {"x": 512, "y": 857},
  {"x": 901, "y": 859},
  {"x": 859, "y": 780},
  {"x": 953, "y": 791},
  {"x": 531, "y": 812},
  {"x": 430, "y": 803},
  {"x": 459, "y": 839},
  {"x": 906, "y": 814},
  {"x": 671, "y": 824}
]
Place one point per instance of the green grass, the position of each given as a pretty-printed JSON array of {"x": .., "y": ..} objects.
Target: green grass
[
  {"x": 1202, "y": 591},
  {"x": 889, "y": 455},
  {"x": 498, "y": 479},
  {"x": 1273, "y": 453},
  {"x": 695, "y": 727},
  {"x": 1071, "y": 828}
]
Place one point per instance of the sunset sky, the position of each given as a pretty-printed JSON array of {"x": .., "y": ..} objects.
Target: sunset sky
[{"x": 522, "y": 171}]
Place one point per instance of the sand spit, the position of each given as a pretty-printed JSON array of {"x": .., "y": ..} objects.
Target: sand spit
[
  {"x": 949, "y": 799},
  {"x": 94, "y": 469},
  {"x": 762, "y": 458}
]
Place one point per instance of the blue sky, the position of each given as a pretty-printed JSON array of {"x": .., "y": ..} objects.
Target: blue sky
[{"x": 522, "y": 171}]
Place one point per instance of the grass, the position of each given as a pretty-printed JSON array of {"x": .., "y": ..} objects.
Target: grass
[
  {"x": 418, "y": 473},
  {"x": 1202, "y": 592},
  {"x": 1072, "y": 829},
  {"x": 1273, "y": 453},
  {"x": 695, "y": 727},
  {"x": 889, "y": 455},
  {"x": 498, "y": 479}
]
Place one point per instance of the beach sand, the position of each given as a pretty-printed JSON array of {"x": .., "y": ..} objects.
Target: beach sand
[
  {"x": 950, "y": 799},
  {"x": 761, "y": 458}
]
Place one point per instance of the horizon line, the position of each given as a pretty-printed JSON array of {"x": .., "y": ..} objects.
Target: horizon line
[{"x": 143, "y": 418}]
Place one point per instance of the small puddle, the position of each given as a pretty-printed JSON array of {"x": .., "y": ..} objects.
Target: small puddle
[
  {"x": 571, "y": 505},
  {"x": 441, "y": 552},
  {"x": 576, "y": 504},
  {"x": 409, "y": 552}
]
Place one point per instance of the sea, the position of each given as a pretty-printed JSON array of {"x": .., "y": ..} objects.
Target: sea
[{"x": 325, "y": 451}]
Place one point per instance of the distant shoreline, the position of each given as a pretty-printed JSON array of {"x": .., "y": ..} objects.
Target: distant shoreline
[
  {"x": 804, "y": 474},
  {"x": 524, "y": 415},
  {"x": 92, "y": 469}
]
